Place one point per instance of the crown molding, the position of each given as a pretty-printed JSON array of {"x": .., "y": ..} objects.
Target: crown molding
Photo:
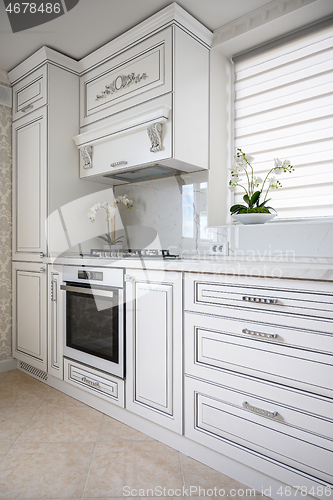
[
  {"x": 173, "y": 14},
  {"x": 257, "y": 18},
  {"x": 37, "y": 59}
]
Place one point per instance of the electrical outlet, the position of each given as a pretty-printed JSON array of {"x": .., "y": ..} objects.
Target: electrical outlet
[{"x": 218, "y": 248}]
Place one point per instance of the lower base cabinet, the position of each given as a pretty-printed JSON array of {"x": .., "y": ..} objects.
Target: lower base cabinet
[
  {"x": 267, "y": 421},
  {"x": 56, "y": 322},
  {"x": 154, "y": 346},
  {"x": 94, "y": 381},
  {"x": 30, "y": 314}
]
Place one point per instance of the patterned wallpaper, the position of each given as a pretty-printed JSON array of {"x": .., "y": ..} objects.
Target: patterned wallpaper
[{"x": 5, "y": 232}]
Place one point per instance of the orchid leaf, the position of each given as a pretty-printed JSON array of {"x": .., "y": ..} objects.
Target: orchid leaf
[
  {"x": 255, "y": 198},
  {"x": 236, "y": 208},
  {"x": 247, "y": 199}
]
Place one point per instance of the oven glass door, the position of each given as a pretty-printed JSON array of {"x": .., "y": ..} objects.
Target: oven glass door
[{"x": 92, "y": 320}]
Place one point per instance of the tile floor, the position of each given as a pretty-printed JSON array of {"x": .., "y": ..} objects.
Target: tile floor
[{"x": 52, "y": 446}]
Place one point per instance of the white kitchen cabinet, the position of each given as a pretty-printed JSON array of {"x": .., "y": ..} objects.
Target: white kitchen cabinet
[
  {"x": 30, "y": 185},
  {"x": 149, "y": 97},
  {"x": 29, "y": 314},
  {"x": 30, "y": 93},
  {"x": 154, "y": 346},
  {"x": 96, "y": 382},
  {"x": 134, "y": 76},
  {"x": 258, "y": 370},
  {"x": 45, "y": 159},
  {"x": 56, "y": 322}
]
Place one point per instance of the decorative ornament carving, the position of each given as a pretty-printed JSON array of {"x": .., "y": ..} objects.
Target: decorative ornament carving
[
  {"x": 155, "y": 136},
  {"x": 121, "y": 82},
  {"x": 86, "y": 153}
]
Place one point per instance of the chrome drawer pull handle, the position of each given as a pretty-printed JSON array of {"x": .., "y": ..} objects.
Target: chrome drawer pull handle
[
  {"x": 30, "y": 106},
  {"x": 259, "y": 300},
  {"x": 117, "y": 163},
  {"x": 90, "y": 382},
  {"x": 259, "y": 411},
  {"x": 259, "y": 334}
]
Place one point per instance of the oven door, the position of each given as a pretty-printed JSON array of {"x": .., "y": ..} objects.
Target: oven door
[{"x": 94, "y": 332}]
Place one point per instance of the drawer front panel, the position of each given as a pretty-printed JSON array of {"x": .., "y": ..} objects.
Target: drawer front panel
[
  {"x": 245, "y": 296},
  {"x": 140, "y": 73},
  {"x": 211, "y": 345},
  {"x": 30, "y": 93},
  {"x": 217, "y": 413},
  {"x": 94, "y": 381}
]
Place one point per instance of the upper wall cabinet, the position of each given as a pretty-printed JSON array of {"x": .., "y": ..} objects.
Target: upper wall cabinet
[
  {"x": 45, "y": 159},
  {"x": 30, "y": 93},
  {"x": 144, "y": 101},
  {"x": 138, "y": 74}
]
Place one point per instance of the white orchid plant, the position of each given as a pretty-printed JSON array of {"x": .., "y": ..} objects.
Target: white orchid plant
[
  {"x": 257, "y": 189},
  {"x": 111, "y": 211}
]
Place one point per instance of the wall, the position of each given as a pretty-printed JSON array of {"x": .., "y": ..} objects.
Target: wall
[
  {"x": 5, "y": 231},
  {"x": 169, "y": 213}
]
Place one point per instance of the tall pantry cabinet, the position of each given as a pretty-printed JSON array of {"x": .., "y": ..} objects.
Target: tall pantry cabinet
[{"x": 45, "y": 177}]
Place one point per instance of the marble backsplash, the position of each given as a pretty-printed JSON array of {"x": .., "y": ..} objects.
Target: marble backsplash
[{"x": 169, "y": 213}]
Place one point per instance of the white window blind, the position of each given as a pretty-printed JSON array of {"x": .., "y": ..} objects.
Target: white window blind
[{"x": 284, "y": 109}]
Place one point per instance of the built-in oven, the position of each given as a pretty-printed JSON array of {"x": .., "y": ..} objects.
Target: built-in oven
[{"x": 94, "y": 323}]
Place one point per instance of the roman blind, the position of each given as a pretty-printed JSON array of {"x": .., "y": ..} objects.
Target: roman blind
[{"x": 284, "y": 109}]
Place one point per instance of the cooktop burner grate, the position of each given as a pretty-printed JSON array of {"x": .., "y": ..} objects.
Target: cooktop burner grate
[{"x": 142, "y": 253}]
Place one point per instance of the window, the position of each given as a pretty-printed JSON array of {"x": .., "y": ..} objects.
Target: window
[{"x": 284, "y": 109}]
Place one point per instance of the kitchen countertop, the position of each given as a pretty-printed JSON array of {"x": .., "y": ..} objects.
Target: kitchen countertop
[{"x": 304, "y": 269}]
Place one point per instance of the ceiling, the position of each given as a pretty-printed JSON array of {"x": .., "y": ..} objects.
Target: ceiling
[{"x": 92, "y": 23}]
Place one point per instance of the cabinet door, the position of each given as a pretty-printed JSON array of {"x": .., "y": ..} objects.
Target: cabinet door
[
  {"x": 136, "y": 75},
  {"x": 56, "y": 318},
  {"x": 29, "y": 313},
  {"x": 30, "y": 93},
  {"x": 154, "y": 347},
  {"x": 29, "y": 186}
]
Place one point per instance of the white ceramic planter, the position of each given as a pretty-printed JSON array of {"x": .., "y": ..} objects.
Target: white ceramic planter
[{"x": 253, "y": 218}]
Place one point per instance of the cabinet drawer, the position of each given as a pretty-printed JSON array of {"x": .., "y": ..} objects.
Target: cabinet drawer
[
  {"x": 30, "y": 93},
  {"x": 248, "y": 297},
  {"x": 296, "y": 358},
  {"x": 134, "y": 76},
  {"x": 99, "y": 383},
  {"x": 293, "y": 437}
]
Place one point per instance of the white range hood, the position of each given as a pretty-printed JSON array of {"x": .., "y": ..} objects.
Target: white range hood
[{"x": 144, "y": 105}]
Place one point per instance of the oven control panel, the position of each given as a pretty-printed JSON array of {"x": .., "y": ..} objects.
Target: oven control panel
[{"x": 90, "y": 275}]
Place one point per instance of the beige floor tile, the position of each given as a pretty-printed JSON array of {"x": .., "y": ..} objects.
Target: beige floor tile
[
  {"x": 197, "y": 475},
  {"x": 3, "y": 376},
  {"x": 132, "y": 464},
  {"x": 19, "y": 389},
  {"x": 67, "y": 424},
  {"x": 57, "y": 398},
  {"x": 52, "y": 470},
  {"x": 112, "y": 430},
  {"x": 13, "y": 419},
  {"x": 4, "y": 449}
]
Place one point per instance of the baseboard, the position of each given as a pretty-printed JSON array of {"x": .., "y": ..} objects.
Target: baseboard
[{"x": 8, "y": 364}]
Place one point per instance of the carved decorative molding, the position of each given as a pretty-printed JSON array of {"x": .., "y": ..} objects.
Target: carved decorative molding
[
  {"x": 86, "y": 153},
  {"x": 121, "y": 82},
  {"x": 257, "y": 18},
  {"x": 155, "y": 136}
]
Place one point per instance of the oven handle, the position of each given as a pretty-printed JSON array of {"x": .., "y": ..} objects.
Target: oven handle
[{"x": 88, "y": 291}]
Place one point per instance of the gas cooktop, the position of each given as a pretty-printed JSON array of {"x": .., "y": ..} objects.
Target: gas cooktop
[{"x": 142, "y": 253}]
